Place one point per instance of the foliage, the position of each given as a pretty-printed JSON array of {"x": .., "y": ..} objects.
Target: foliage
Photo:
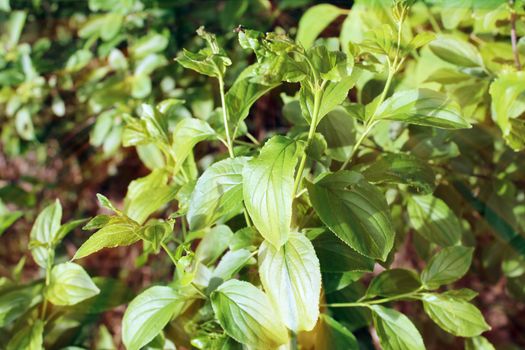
[{"x": 402, "y": 134}]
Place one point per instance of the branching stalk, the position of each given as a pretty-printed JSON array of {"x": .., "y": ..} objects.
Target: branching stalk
[
  {"x": 313, "y": 124},
  {"x": 225, "y": 118}
]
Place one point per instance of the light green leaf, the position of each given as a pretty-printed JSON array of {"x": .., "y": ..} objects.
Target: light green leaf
[
  {"x": 186, "y": 135},
  {"x": 333, "y": 95},
  {"x": 28, "y": 338},
  {"x": 14, "y": 28},
  {"x": 217, "y": 194},
  {"x": 267, "y": 188},
  {"x": 478, "y": 343},
  {"x": 402, "y": 168},
  {"x": 69, "y": 285},
  {"x": 111, "y": 26},
  {"x": 449, "y": 265},
  {"x": 434, "y": 220},
  {"x": 148, "y": 314},
  {"x": 246, "y": 314},
  {"x": 393, "y": 282},
  {"x": 508, "y": 94},
  {"x": 336, "y": 256},
  {"x": 118, "y": 231},
  {"x": 24, "y": 124},
  {"x": 333, "y": 335},
  {"x": 455, "y": 316},
  {"x": 422, "y": 107},
  {"x": 213, "y": 244},
  {"x": 395, "y": 330},
  {"x": 243, "y": 94},
  {"x": 15, "y": 303},
  {"x": 211, "y": 61},
  {"x": 148, "y": 194},
  {"x": 231, "y": 263},
  {"x": 44, "y": 232},
  {"x": 151, "y": 43},
  {"x": 458, "y": 52},
  {"x": 314, "y": 21},
  {"x": 292, "y": 280},
  {"x": 78, "y": 60},
  {"x": 355, "y": 211}
]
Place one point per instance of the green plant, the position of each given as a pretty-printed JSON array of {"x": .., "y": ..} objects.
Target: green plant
[{"x": 292, "y": 242}]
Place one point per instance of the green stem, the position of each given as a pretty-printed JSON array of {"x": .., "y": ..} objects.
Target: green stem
[
  {"x": 371, "y": 122},
  {"x": 368, "y": 303},
  {"x": 225, "y": 118},
  {"x": 313, "y": 124},
  {"x": 170, "y": 254}
]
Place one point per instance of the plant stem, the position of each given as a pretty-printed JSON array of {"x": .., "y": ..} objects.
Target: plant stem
[
  {"x": 371, "y": 122},
  {"x": 365, "y": 303},
  {"x": 313, "y": 124},
  {"x": 225, "y": 118},
  {"x": 170, "y": 254},
  {"x": 513, "y": 36}
]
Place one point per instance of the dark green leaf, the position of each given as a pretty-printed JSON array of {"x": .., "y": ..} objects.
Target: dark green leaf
[{"x": 355, "y": 211}]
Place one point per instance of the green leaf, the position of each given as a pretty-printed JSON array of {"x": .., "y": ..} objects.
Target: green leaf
[
  {"x": 333, "y": 95},
  {"x": 69, "y": 285},
  {"x": 449, "y": 265},
  {"x": 246, "y": 314},
  {"x": 7, "y": 217},
  {"x": 402, "y": 168},
  {"x": 217, "y": 194},
  {"x": 336, "y": 256},
  {"x": 339, "y": 130},
  {"x": 211, "y": 61},
  {"x": 355, "y": 211},
  {"x": 148, "y": 194},
  {"x": 456, "y": 51},
  {"x": 333, "y": 335},
  {"x": 478, "y": 343},
  {"x": 292, "y": 271},
  {"x": 422, "y": 107},
  {"x": 395, "y": 330},
  {"x": 455, "y": 316},
  {"x": 44, "y": 232},
  {"x": 243, "y": 94},
  {"x": 507, "y": 93},
  {"x": 213, "y": 244},
  {"x": 148, "y": 314},
  {"x": 434, "y": 220},
  {"x": 314, "y": 21},
  {"x": 24, "y": 124},
  {"x": 78, "y": 60},
  {"x": 28, "y": 338},
  {"x": 393, "y": 282},
  {"x": 14, "y": 28},
  {"x": 268, "y": 182},
  {"x": 151, "y": 43},
  {"x": 118, "y": 231},
  {"x": 15, "y": 303},
  {"x": 66, "y": 228},
  {"x": 111, "y": 26},
  {"x": 186, "y": 135}
]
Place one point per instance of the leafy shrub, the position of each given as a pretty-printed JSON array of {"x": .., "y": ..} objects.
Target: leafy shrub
[{"x": 295, "y": 241}]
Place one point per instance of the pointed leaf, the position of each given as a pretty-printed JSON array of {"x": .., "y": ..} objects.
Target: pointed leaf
[
  {"x": 217, "y": 194},
  {"x": 246, "y": 314},
  {"x": 119, "y": 231},
  {"x": 147, "y": 315},
  {"x": 455, "y": 316},
  {"x": 422, "y": 107},
  {"x": 395, "y": 330},
  {"x": 69, "y": 285},
  {"x": 292, "y": 279},
  {"x": 434, "y": 220},
  {"x": 268, "y": 182},
  {"x": 314, "y": 21},
  {"x": 355, "y": 211},
  {"x": 449, "y": 265},
  {"x": 44, "y": 232}
]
